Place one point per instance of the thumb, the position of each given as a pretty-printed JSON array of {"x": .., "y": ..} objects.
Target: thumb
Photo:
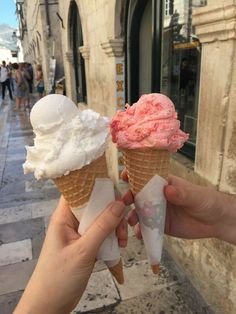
[
  {"x": 104, "y": 224},
  {"x": 179, "y": 196}
]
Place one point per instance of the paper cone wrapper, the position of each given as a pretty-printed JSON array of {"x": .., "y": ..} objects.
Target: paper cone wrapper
[
  {"x": 77, "y": 186},
  {"x": 142, "y": 165},
  {"x": 102, "y": 195},
  {"x": 150, "y": 205}
]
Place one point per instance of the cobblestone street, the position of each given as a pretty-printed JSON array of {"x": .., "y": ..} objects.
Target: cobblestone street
[{"x": 25, "y": 209}]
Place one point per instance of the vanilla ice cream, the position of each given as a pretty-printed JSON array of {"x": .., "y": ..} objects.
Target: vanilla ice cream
[{"x": 66, "y": 139}]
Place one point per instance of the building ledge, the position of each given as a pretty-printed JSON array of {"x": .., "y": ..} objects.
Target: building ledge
[
  {"x": 85, "y": 51},
  {"x": 215, "y": 22},
  {"x": 114, "y": 47}
]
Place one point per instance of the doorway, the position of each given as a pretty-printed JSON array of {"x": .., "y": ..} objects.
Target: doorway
[{"x": 76, "y": 41}]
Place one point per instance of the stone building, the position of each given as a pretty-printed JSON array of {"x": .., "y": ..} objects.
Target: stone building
[
  {"x": 39, "y": 24},
  {"x": 115, "y": 50}
]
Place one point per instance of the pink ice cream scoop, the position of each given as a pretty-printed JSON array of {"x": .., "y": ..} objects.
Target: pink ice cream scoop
[{"x": 150, "y": 123}]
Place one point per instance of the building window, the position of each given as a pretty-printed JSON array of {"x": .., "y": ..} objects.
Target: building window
[
  {"x": 163, "y": 54},
  {"x": 76, "y": 41},
  {"x": 143, "y": 48},
  {"x": 181, "y": 56},
  {"x": 168, "y": 7}
]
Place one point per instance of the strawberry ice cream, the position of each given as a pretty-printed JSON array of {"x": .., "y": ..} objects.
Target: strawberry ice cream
[{"x": 151, "y": 123}]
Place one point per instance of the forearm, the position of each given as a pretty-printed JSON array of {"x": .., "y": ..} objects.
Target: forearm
[
  {"x": 226, "y": 227},
  {"x": 35, "y": 301}
]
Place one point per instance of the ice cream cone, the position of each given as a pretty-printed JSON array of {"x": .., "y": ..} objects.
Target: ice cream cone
[
  {"x": 117, "y": 272},
  {"x": 141, "y": 166},
  {"x": 77, "y": 187}
]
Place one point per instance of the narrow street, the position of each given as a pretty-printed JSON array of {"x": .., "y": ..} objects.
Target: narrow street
[{"x": 25, "y": 209}]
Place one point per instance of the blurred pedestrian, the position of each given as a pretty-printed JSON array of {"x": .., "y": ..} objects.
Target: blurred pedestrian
[
  {"x": 28, "y": 76},
  {"x": 40, "y": 81},
  {"x": 10, "y": 76},
  {"x": 21, "y": 86},
  {"x": 5, "y": 80}
]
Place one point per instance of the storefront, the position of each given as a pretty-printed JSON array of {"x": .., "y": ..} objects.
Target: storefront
[{"x": 163, "y": 55}]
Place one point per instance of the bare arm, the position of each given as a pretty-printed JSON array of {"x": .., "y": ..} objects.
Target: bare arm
[{"x": 194, "y": 212}]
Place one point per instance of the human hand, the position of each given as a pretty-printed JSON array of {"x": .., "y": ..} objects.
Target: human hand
[
  {"x": 67, "y": 260},
  {"x": 193, "y": 211}
]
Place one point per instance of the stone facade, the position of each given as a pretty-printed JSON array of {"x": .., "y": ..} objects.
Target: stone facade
[
  {"x": 209, "y": 263},
  {"x": 40, "y": 36}
]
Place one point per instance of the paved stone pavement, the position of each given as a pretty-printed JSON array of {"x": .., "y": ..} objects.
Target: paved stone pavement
[{"x": 25, "y": 209}]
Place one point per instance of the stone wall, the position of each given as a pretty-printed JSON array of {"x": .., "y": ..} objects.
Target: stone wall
[
  {"x": 40, "y": 38},
  {"x": 209, "y": 263}
]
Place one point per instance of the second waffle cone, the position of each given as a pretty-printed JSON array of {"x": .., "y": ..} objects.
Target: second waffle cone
[{"x": 143, "y": 164}]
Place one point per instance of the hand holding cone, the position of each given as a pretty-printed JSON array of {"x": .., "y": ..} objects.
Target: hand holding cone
[
  {"x": 77, "y": 188},
  {"x": 142, "y": 165}
]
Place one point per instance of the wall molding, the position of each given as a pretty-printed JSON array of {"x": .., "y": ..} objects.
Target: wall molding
[
  {"x": 114, "y": 47},
  {"x": 69, "y": 56},
  {"x": 85, "y": 51},
  {"x": 215, "y": 22}
]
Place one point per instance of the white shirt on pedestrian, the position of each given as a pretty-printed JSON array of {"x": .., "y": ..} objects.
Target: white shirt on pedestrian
[{"x": 4, "y": 74}]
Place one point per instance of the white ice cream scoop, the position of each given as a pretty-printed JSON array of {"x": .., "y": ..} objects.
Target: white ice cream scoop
[
  {"x": 66, "y": 139},
  {"x": 51, "y": 110}
]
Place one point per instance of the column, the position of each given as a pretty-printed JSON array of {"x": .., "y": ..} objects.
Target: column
[
  {"x": 69, "y": 74},
  {"x": 216, "y": 145},
  {"x": 114, "y": 48}
]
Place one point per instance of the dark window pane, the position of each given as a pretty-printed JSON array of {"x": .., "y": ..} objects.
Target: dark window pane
[{"x": 181, "y": 57}]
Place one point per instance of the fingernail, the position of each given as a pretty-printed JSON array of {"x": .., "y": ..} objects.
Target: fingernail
[{"x": 118, "y": 208}]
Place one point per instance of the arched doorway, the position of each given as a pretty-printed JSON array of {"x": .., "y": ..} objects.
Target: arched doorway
[
  {"x": 143, "y": 48},
  {"x": 76, "y": 41}
]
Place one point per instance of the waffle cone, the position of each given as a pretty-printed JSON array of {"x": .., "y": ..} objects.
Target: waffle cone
[
  {"x": 117, "y": 272},
  {"x": 77, "y": 186},
  {"x": 143, "y": 164},
  {"x": 155, "y": 269}
]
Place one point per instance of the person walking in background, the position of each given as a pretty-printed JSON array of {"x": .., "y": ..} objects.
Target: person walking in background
[
  {"x": 21, "y": 86},
  {"x": 5, "y": 80},
  {"x": 40, "y": 81},
  {"x": 10, "y": 76},
  {"x": 28, "y": 76}
]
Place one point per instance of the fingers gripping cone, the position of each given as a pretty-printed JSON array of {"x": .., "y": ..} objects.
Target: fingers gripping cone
[
  {"x": 77, "y": 187},
  {"x": 142, "y": 165}
]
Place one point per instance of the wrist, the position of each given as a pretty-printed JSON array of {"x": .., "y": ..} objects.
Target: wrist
[
  {"x": 36, "y": 306},
  {"x": 225, "y": 228},
  {"x": 35, "y": 300}
]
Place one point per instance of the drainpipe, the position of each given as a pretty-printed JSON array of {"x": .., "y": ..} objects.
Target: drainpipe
[{"x": 47, "y": 18}]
